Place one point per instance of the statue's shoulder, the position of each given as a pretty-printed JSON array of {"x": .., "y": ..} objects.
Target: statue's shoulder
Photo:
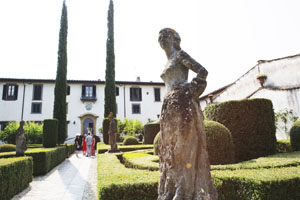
[{"x": 182, "y": 54}]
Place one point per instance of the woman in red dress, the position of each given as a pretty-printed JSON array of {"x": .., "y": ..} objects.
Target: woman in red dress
[
  {"x": 93, "y": 146},
  {"x": 83, "y": 145}
]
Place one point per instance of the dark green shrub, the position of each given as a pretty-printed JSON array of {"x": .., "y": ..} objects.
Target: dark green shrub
[
  {"x": 50, "y": 130},
  {"x": 130, "y": 140},
  {"x": 295, "y": 136},
  {"x": 219, "y": 143},
  {"x": 283, "y": 146},
  {"x": 7, "y": 147},
  {"x": 104, "y": 148},
  {"x": 15, "y": 176},
  {"x": 150, "y": 131},
  {"x": 155, "y": 143},
  {"x": 251, "y": 123}
]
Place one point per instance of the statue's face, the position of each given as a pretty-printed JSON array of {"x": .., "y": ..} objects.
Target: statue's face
[{"x": 165, "y": 40}]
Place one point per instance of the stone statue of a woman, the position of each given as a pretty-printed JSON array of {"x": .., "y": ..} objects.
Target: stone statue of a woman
[{"x": 184, "y": 164}]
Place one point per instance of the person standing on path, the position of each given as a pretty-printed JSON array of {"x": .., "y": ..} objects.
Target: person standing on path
[
  {"x": 89, "y": 140},
  {"x": 84, "y": 145},
  {"x": 77, "y": 146}
]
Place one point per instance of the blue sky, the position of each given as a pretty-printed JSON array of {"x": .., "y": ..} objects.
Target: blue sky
[{"x": 226, "y": 37}]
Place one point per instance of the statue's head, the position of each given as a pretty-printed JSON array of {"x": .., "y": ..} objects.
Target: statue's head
[
  {"x": 167, "y": 33},
  {"x": 22, "y": 123}
]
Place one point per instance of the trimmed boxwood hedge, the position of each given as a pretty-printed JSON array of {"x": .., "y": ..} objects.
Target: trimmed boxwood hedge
[
  {"x": 251, "y": 123},
  {"x": 7, "y": 147},
  {"x": 15, "y": 176},
  {"x": 295, "y": 136},
  {"x": 102, "y": 148},
  {"x": 43, "y": 159},
  {"x": 130, "y": 140},
  {"x": 283, "y": 146},
  {"x": 140, "y": 160},
  {"x": 150, "y": 131},
  {"x": 219, "y": 143},
  {"x": 262, "y": 184},
  {"x": 117, "y": 182},
  {"x": 50, "y": 132}
]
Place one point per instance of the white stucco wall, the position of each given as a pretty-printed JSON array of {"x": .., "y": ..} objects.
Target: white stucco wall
[
  {"x": 11, "y": 110},
  {"x": 282, "y": 75}
]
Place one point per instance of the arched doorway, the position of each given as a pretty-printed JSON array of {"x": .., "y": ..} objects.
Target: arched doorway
[
  {"x": 88, "y": 122},
  {"x": 88, "y": 125}
]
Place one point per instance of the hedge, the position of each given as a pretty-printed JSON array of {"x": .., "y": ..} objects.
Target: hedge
[
  {"x": 219, "y": 143},
  {"x": 15, "y": 176},
  {"x": 117, "y": 182},
  {"x": 150, "y": 131},
  {"x": 140, "y": 161},
  {"x": 251, "y": 123},
  {"x": 50, "y": 132},
  {"x": 262, "y": 184},
  {"x": 130, "y": 140},
  {"x": 7, "y": 147},
  {"x": 295, "y": 136},
  {"x": 43, "y": 159},
  {"x": 102, "y": 148},
  {"x": 283, "y": 146},
  {"x": 70, "y": 149}
]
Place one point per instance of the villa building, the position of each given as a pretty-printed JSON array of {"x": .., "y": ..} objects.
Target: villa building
[
  {"x": 277, "y": 80},
  {"x": 33, "y": 99}
]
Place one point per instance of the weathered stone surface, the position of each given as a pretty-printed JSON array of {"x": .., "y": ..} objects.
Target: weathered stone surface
[
  {"x": 184, "y": 164},
  {"x": 21, "y": 140},
  {"x": 112, "y": 132}
]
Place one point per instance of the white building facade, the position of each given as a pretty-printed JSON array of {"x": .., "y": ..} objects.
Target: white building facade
[
  {"x": 33, "y": 99},
  {"x": 280, "y": 83}
]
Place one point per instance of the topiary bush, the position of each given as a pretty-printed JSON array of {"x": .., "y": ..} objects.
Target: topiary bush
[
  {"x": 295, "y": 136},
  {"x": 251, "y": 123},
  {"x": 130, "y": 140},
  {"x": 150, "y": 131},
  {"x": 219, "y": 143},
  {"x": 7, "y": 147},
  {"x": 155, "y": 143},
  {"x": 50, "y": 131}
]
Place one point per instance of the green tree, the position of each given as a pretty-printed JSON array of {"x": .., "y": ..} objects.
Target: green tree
[
  {"x": 110, "y": 85},
  {"x": 60, "y": 90}
]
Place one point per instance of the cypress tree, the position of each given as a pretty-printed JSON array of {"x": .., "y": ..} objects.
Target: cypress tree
[
  {"x": 110, "y": 86},
  {"x": 60, "y": 90}
]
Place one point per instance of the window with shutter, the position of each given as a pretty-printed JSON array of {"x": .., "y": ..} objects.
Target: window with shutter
[
  {"x": 156, "y": 94},
  {"x": 36, "y": 108},
  {"x": 88, "y": 93},
  {"x": 135, "y": 94},
  {"x": 37, "y": 92},
  {"x": 10, "y": 92},
  {"x": 136, "y": 109}
]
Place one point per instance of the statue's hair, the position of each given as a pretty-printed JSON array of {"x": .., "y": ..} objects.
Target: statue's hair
[{"x": 174, "y": 34}]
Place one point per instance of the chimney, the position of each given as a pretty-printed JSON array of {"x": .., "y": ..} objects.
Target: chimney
[{"x": 138, "y": 79}]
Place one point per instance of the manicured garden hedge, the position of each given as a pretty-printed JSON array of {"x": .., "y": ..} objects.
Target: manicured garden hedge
[
  {"x": 7, "y": 147},
  {"x": 265, "y": 179},
  {"x": 117, "y": 182},
  {"x": 295, "y": 135},
  {"x": 102, "y": 148},
  {"x": 251, "y": 123},
  {"x": 50, "y": 132},
  {"x": 140, "y": 161},
  {"x": 15, "y": 176},
  {"x": 219, "y": 143},
  {"x": 262, "y": 184},
  {"x": 150, "y": 131},
  {"x": 44, "y": 159},
  {"x": 283, "y": 146}
]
